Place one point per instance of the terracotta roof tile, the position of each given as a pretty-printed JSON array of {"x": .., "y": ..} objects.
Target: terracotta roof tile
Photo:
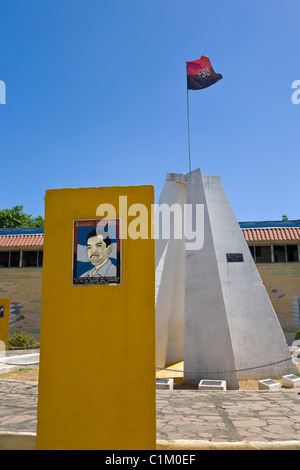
[
  {"x": 21, "y": 240},
  {"x": 251, "y": 235},
  {"x": 272, "y": 234}
]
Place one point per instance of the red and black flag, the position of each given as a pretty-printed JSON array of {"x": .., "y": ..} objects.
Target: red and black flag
[{"x": 200, "y": 74}]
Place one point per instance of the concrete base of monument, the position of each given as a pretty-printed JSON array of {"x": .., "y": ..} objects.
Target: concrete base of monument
[{"x": 175, "y": 372}]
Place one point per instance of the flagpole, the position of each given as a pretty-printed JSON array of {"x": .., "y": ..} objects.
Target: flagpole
[
  {"x": 202, "y": 75},
  {"x": 188, "y": 116}
]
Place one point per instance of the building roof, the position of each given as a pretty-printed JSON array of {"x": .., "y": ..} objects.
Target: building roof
[
  {"x": 271, "y": 231},
  {"x": 264, "y": 231},
  {"x": 21, "y": 237},
  {"x": 21, "y": 231},
  {"x": 21, "y": 241},
  {"x": 272, "y": 234},
  {"x": 271, "y": 224}
]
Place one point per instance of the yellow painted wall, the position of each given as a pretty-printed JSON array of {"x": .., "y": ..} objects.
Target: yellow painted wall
[
  {"x": 282, "y": 282},
  {"x": 97, "y": 364},
  {"x": 4, "y": 322}
]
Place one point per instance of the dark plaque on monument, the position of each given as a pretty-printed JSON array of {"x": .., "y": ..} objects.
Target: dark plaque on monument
[
  {"x": 212, "y": 382},
  {"x": 234, "y": 257},
  {"x": 162, "y": 381},
  {"x": 269, "y": 382}
]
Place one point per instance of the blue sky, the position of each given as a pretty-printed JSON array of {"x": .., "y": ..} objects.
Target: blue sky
[{"x": 96, "y": 96}]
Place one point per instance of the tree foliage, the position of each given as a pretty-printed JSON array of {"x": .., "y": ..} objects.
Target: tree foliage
[{"x": 16, "y": 218}]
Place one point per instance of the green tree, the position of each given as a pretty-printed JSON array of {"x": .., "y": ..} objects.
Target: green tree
[
  {"x": 284, "y": 217},
  {"x": 16, "y": 218},
  {"x": 37, "y": 221}
]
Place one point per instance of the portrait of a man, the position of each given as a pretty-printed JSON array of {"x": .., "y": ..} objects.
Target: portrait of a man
[
  {"x": 97, "y": 252},
  {"x": 99, "y": 247}
]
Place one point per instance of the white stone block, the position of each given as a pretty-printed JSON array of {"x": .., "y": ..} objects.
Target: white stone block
[
  {"x": 206, "y": 384},
  {"x": 164, "y": 384},
  {"x": 268, "y": 384},
  {"x": 291, "y": 381}
]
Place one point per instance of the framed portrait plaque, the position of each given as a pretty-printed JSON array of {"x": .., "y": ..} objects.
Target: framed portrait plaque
[{"x": 96, "y": 252}]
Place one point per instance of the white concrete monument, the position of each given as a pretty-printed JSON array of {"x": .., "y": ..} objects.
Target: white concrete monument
[{"x": 212, "y": 309}]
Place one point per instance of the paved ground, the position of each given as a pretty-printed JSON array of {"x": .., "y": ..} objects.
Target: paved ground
[
  {"x": 231, "y": 416},
  {"x": 18, "y": 406}
]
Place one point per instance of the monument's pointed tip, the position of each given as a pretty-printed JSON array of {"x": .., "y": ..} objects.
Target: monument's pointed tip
[{"x": 181, "y": 177}]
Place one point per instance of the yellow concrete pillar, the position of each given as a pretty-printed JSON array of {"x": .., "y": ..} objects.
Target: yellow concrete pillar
[
  {"x": 97, "y": 358},
  {"x": 4, "y": 320}
]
